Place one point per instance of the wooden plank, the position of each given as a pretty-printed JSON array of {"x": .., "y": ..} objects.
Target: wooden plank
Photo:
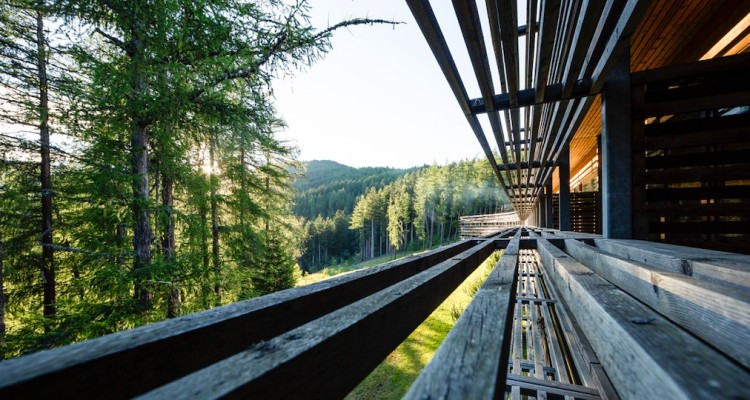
[
  {"x": 306, "y": 362},
  {"x": 548, "y": 28},
  {"x": 717, "y": 314},
  {"x": 726, "y": 269},
  {"x": 127, "y": 363},
  {"x": 725, "y": 157},
  {"x": 652, "y": 357},
  {"x": 472, "y": 360},
  {"x": 714, "y": 66},
  {"x": 618, "y": 42},
  {"x": 706, "y": 227},
  {"x": 692, "y": 104},
  {"x": 699, "y": 174},
  {"x": 705, "y": 126},
  {"x": 530, "y": 385},
  {"x": 699, "y": 193}
]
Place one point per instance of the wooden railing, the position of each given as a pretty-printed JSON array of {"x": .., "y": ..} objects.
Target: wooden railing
[
  {"x": 473, "y": 226},
  {"x": 561, "y": 315}
]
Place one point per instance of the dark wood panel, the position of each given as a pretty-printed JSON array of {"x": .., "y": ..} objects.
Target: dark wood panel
[
  {"x": 707, "y": 227},
  {"x": 699, "y": 193},
  {"x": 701, "y": 159},
  {"x": 699, "y": 125}
]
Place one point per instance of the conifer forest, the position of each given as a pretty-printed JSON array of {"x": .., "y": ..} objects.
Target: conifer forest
[{"x": 142, "y": 177}]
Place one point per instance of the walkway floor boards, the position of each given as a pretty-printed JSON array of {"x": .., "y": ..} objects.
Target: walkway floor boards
[{"x": 544, "y": 346}]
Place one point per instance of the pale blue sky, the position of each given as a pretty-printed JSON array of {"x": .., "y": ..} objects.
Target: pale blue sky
[{"x": 378, "y": 98}]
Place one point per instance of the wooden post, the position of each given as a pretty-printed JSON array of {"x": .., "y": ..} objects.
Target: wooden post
[
  {"x": 617, "y": 202},
  {"x": 563, "y": 173},
  {"x": 548, "y": 203}
]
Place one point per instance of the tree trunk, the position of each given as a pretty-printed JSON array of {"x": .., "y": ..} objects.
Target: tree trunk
[
  {"x": 167, "y": 244},
  {"x": 48, "y": 254},
  {"x": 372, "y": 239},
  {"x": 215, "y": 222},
  {"x": 2, "y": 300},
  {"x": 142, "y": 235}
]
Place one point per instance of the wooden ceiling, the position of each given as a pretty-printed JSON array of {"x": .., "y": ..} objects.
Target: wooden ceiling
[{"x": 548, "y": 95}]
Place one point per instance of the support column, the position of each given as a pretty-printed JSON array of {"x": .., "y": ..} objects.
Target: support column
[
  {"x": 548, "y": 204},
  {"x": 616, "y": 185},
  {"x": 542, "y": 212},
  {"x": 563, "y": 173}
]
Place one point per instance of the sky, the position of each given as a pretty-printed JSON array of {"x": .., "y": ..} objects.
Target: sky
[{"x": 378, "y": 98}]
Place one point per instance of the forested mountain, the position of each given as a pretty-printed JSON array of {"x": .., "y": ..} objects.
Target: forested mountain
[
  {"x": 418, "y": 209},
  {"x": 140, "y": 173},
  {"x": 324, "y": 187}
]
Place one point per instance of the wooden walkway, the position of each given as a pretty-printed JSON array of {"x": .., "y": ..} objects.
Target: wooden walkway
[
  {"x": 562, "y": 315},
  {"x": 474, "y": 226}
]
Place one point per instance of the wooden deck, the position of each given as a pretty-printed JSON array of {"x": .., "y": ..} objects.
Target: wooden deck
[{"x": 562, "y": 315}]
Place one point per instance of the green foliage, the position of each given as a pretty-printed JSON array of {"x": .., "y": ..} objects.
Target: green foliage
[{"x": 172, "y": 193}]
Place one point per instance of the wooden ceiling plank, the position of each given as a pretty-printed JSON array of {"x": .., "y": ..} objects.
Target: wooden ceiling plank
[
  {"x": 425, "y": 17},
  {"x": 629, "y": 19},
  {"x": 586, "y": 25},
  {"x": 548, "y": 27}
]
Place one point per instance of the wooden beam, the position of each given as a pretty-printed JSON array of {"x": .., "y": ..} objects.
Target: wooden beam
[
  {"x": 476, "y": 371},
  {"x": 307, "y": 362},
  {"x": 425, "y": 17},
  {"x": 527, "y": 97},
  {"x": 131, "y": 362},
  {"x": 548, "y": 28},
  {"x": 616, "y": 185},
  {"x": 563, "y": 168},
  {"x": 716, "y": 314},
  {"x": 618, "y": 44},
  {"x": 651, "y": 358},
  {"x": 721, "y": 268}
]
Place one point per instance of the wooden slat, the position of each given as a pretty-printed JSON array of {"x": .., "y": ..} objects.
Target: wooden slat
[
  {"x": 717, "y": 314},
  {"x": 472, "y": 360},
  {"x": 720, "y": 173},
  {"x": 307, "y": 361},
  {"x": 716, "y": 66},
  {"x": 726, "y": 269},
  {"x": 702, "y": 159},
  {"x": 705, "y": 227},
  {"x": 651, "y": 357},
  {"x": 530, "y": 386},
  {"x": 692, "y": 104},
  {"x": 127, "y": 363},
  {"x": 699, "y": 193}
]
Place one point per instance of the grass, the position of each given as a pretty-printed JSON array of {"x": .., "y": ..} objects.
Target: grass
[
  {"x": 332, "y": 271},
  {"x": 393, "y": 377}
]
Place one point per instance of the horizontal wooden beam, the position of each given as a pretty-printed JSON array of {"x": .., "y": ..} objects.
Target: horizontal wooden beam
[
  {"x": 328, "y": 357},
  {"x": 726, "y": 269},
  {"x": 528, "y": 97},
  {"x": 717, "y": 314},
  {"x": 531, "y": 386},
  {"x": 132, "y": 362},
  {"x": 714, "y": 66},
  {"x": 525, "y": 165},
  {"x": 651, "y": 357},
  {"x": 477, "y": 371}
]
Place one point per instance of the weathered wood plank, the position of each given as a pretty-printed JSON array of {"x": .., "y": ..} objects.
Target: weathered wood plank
[
  {"x": 716, "y": 314},
  {"x": 651, "y": 357},
  {"x": 307, "y": 362},
  {"x": 530, "y": 385},
  {"x": 131, "y": 362},
  {"x": 727, "y": 269},
  {"x": 472, "y": 361}
]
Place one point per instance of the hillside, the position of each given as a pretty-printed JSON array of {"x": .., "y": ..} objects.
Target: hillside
[{"x": 326, "y": 186}]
